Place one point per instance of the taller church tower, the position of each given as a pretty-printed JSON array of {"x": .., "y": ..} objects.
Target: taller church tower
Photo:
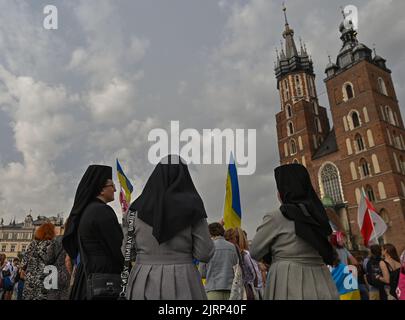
[{"x": 302, "y": 125}]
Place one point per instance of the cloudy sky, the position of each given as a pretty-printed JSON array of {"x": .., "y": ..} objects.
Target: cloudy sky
[{"x": 91, "y": 91}]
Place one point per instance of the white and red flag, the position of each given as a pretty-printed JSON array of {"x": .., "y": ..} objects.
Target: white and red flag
[{"x": 371, "y": 225}]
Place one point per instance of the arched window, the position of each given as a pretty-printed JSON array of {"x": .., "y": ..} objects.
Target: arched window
[
  {"x": 289, "y": 111},
  {"x": 355, "y": 119},
  {"x": 290, "y": 128},
  {"x": 295, "y": 161},
  {"x": 381, "y": 87},
  {"x": 293, "y": 147},
  {"x": 381, "y": 191},
  {"x": 348, "y": 92},
  {"x": 286, "y": 149},
  {"x": 286, "y": 90},
  {"x": 389, "y": 115},
  {"x": 298, "y": 85},
  {"x": 370, "y": 193},
  {"x": 318, "y": 125},
  {"x": 320, "y": 140},
  {"x": 330, "y": 181},
  {"x": 359, "y": 142},
  {"x": 402, "y": 164},
  {"x": 365, "y": 169}
]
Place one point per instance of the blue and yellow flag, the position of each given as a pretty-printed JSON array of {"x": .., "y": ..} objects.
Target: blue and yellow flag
[
  {"x": 126, "y": 188},
  {"x": 232, "y": 208}
]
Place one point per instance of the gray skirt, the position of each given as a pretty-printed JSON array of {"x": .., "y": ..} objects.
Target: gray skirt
[
  {"x": 154, "y": 278},
  {"x": 291, "y": 280}
]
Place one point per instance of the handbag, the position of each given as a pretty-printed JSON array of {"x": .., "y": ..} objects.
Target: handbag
[
  {"x": 100, "y": 286},
  {"x": 127, "y": 258}
]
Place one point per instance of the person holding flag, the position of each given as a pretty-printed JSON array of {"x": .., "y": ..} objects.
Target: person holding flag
[
  {"x": 371, "y": 225},
  {"x": 232, "y": 208}
]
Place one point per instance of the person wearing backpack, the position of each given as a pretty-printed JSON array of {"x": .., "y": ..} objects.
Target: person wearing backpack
[
  {"x": 390, "y": 268},
  {"x": 373, "y": 274}
]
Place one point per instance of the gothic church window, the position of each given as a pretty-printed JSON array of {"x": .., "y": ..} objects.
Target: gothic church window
[
  {"x": 290, "y": 128},
  {"x": 286, "y": 90},
  {"x": 381, "y": 87},
  {"x": 318, "y": 125},
  {"x": 298, "y": 85},
  {"x": 381, "y": 191},
  {"x": 370, "y": 193},
  {"x": 293, "y": 147},
  {"x": 348, "y": 92},
  {"x": 330, "y": 181},
  {"x": 355, "y": 119},
  {"x": 389, "y": 115},
  {"x": 365, "y": 170},
  {"x": 359, "y": 142},
  {"x": 402, "y": 164},
  {"x": 289, "y": 111}
]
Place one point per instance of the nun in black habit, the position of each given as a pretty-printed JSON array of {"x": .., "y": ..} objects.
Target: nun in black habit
[
  {"x": 96, "y": 224},
  {"x": 170, "y": 230},
  {"x": 296, "y": 238}
]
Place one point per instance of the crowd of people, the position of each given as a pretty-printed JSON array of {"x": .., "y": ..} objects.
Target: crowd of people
[{"x": 297, "y": 253}]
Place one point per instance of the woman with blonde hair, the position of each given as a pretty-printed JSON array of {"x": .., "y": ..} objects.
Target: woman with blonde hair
[
  {"x": 251, "y": 275},
  {"x": 34, "y": 262}
]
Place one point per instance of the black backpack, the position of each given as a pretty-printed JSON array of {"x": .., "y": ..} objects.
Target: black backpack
[{"x": 373, "y": 270}]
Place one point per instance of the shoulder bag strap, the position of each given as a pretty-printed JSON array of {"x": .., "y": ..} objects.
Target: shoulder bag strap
[{"x": 127, "y": 257}]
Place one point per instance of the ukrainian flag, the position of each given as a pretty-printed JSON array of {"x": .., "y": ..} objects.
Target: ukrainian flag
[
  {"x": 125, "y": 183},
  {"x": 232, "y": 208}
]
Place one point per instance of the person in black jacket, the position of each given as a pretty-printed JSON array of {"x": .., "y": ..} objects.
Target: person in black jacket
[{"x": 95, "y": 225}]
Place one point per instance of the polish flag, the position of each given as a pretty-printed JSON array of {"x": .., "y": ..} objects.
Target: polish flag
[{"x": 371, "y": 225}]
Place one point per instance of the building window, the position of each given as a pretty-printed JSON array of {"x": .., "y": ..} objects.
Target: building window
[
  {"x": 10, "y": 236},
  {"x": 381, "y": 191},
  {"x": 1, "y": 235},
  {"x": 289, "y": 111},
  {"x": 4, "y": 248},
  {"x": 389, "y": 115},
  {"x": 365, "y": 169},
  {"x": 290, "y": 128},
  {"x": 331, "y": 183},
  {"x": 318, "y": 125},
  {"x": 381, "y": 87},
  {"x": 286, "y": 91},
  {"x": 293, "y": 147},
  {"x": 298, "y": 85},
  {"x": 320, "y": 140},
  {"x": 359, "y": 142},
  {"x": 315, "y": 107},
  {"x": 370, "y": 193},
  {"x": 12, "y": 248},
  {"x": 402, "y": 164},
  {"x": 348, "y": 92},
  {"x": 23, "y": 248},
  {"x": 355, "y": 119}
]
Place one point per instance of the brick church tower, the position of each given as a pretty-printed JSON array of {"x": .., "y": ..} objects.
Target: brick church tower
[
  {"x": 365, "y": 151},
  {"x": 302, "y": 125}
]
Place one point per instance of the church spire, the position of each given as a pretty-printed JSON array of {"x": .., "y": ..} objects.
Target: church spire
[{"x": 288, "y": 35}]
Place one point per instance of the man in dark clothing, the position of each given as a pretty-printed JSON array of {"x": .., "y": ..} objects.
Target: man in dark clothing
[{"x": 95, "y": 225}]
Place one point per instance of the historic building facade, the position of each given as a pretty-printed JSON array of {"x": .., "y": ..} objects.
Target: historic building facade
[
  {"x": 15, "y": 237},
  {"x": 365, "y": 149}
]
